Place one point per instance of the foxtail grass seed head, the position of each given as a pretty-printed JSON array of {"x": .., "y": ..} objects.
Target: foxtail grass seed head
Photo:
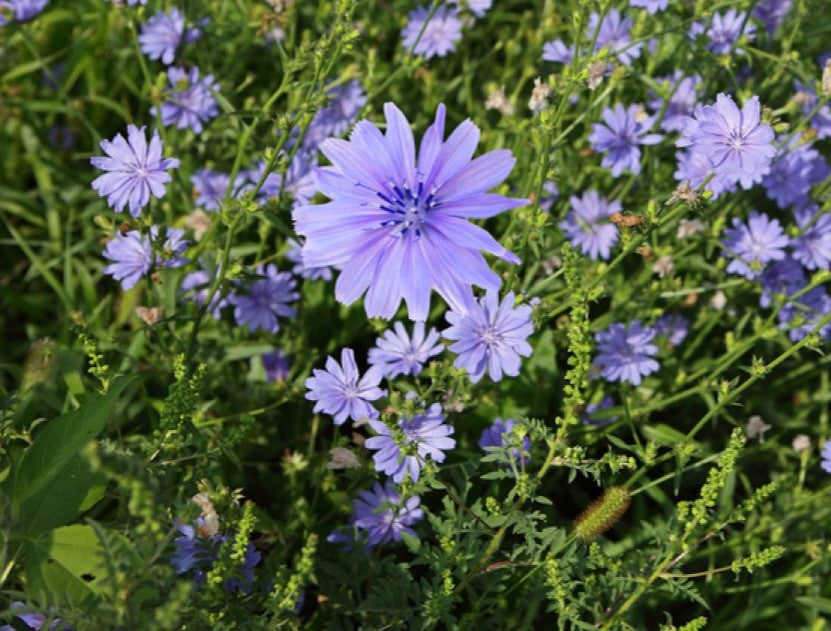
[{"x": 602, "y": 514}]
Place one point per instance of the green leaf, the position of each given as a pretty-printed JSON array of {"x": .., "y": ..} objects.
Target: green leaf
[
  {"x": 58, "y": 444},
  {"x": 66, "y": 563},
  {"x": 820, "y": 604},
  {"x": 74, "y": 489},
  {"x": 663, "y": 435}
]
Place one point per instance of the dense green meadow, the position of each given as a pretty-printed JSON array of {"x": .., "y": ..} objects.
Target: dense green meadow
[{"x": 415, "y": 314}]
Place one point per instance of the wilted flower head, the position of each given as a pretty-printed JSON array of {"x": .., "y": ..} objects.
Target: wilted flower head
[
  {"x": 199, "y": 222},
  {"x": 403, "y": 449},
  {"x": 440, "y": 34},
  {"x": 342, "y": 392},
  {"x": 399, "y": 354},
  {"x": 614, "y": 35},
  {"x": 619, "y": 136},
  {"x": 498, "y": 101},
  {"x": 499, "y": 435},
  {"x": 136, "y": 170},
  {"x": 20, "y": 10},
  {"x": 490, "y": 335},
  {"x": 265, "y": 300},
  {"x": 812, "y": 247},
  {"x": 190, "y": 101},
  {"x": 626, "y": 353},
  {"x": 396, "y": 227},
  {"x": 342, "y": 458},
  {"x": 756, "y": 427},
  {"x": 753, "y": 245},
  {"x": 689, "y": 227},
  {"x": 148, "y": 315},
  {"x": 664, "y": 266},
  {"x": 736, "y": 142},
  {"x": 587, "y": 224},
  {"x": 539, "y": 96},
  {"x": 801, "y": 442}
]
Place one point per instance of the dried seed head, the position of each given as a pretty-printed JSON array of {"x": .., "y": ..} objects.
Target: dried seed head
[
  {"x": 627, "y": 221},
  {"x": 602, "y": 514},
  {"x": 498, "y": 101},
  {"x": 826, "y": 77},
  {"x": 149, "y": 315},
  {"x": 801, "y": 442},
  {"x": 690, "y": 227},
  {"x": 718, "y": 300},
  {"x": 199, "y": 222},
  {"x": 645, "y": 251},
  {"x": 342, "y": 458},
  {"x": 596, "y": 73},
  {"x": 539, "y": 96},
  {"x": 756, "y": 427},
  {"x": 664, "y": 266},
  {"x": 684, "y": 193}
]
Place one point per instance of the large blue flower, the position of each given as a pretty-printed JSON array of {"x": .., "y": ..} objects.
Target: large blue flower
[{"x": 397, "y": 225}]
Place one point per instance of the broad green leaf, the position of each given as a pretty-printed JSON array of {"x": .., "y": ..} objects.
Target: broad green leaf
[
  {"x": 58, "y": 443},
  {"x": 66, "y": 562},
  {"x": 74, "y": 489}
]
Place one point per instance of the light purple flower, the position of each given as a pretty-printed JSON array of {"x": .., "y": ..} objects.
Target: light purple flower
[
  {"x": 753, "y": 245},
  {"x": 620, "y": 135},
  {"x": 421, "y": 436},
  {"x": 20, "y": 10},
  {"x": 588, "y": 417},
  {"x": 551, "y": 193},
  {"x": 771, "y": 13},
  {"x": 33, "y": 619},
  {"x": 652, "y": 6},
  {"x": 173, "y": 247},
  {"x": 695, "y": 167},
  {"x": 266, "y": 300},
  {"x": 301, "y": 183},
  {"x": 295, "y": 255},
  {"x": 396, "y": 227},
  {"x": 341, "y": 392},
  {"x": 587, "y": 226},
  {"x": 825, "y": 456},
  {"x": 162, "y": 34},
  {"x": 136, "y": 170},
  {"x": 812, "y": 247},
  {"x": 784, "y": 276},
  {"x": 725, "y": 29},
  {"x": 490, "y": 335},
  {"x": 800, "y": 316},
  {"x": 396, "y": 353},
  {"x": 793, "y": 172},
  {"x": 476, "y": 7},
  {"x": 821, "y": 120},
  {"x": 200, "y": 282},
  {"x": 626, "y": 353},
  {"x": 383, "y": 516},
  {"x": 276, "y": 365},
  {"x": 499, "y": 435},
  {"x": 681, "y": 102},
  {"x": 440, "y": 34},
  {"x": 736, "y": 142},
  {"x": 210, "y": 186},
  {"x": 131, "y": 3},
  {"x": 674, "y": 327},
  {"x": 337, "y": 116},
  {"x": 131, "y": 256},
  {"x": 614, "y": 35},
  {"x": 558, "y": 52},
  {"x": 190, "y": 101}
]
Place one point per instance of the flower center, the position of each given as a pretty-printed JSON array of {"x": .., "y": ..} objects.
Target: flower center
[
  {"x": 490, "y": 336},
  {"x": 408, "y": 210}
]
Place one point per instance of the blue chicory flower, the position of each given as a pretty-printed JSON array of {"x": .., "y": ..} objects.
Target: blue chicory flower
[
  {"x": 626, "y": 353},
  {"x": 399, "y": 354},
  {"x": 438, "y": 37},
  {"x": 771, "y": 13},
  {"x": 558, "y": 52},
  {"x": 825, "y": 457},
  {"x": 736, "y": 142},
  {"x": 812, "y": 247},
  {"x": 337, "y": 116},
  {"x": 199, "y": 283},
  {"x": 135, "y": 170},
  {"x": 784, "y": 276},
  {"x": 342, "y": 392},
  {"x": 725, "y": 30},
  {"x": 753, "y": 245},
  {"x": 404, "y": 449},
  {"x": 499, "y": 435},
  {"x": 276, "y": 366},
  {"x": 674, "y": 327},
  {"x": 190, "y": 101},
  {"x": 295, "y": 255},
  {"x": 801, "y": 315},
  {"x": 266, "y": 300},
  {"x": 652, "y": 6},
  {"x": 614, "y": 34},
  {"x": 396, "y": 227},
  {"x": 383, "y": 516},
  {"x": 681, "y": 102},
  {"x": 588, "y": 417},
  {"x": 490, "y": 335},
  {"x": 131, "y": 255},
  {"x": 797, "y": 167},
  {"x": 587, "y": 224},
  {"x": 619, "y": 136}
]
